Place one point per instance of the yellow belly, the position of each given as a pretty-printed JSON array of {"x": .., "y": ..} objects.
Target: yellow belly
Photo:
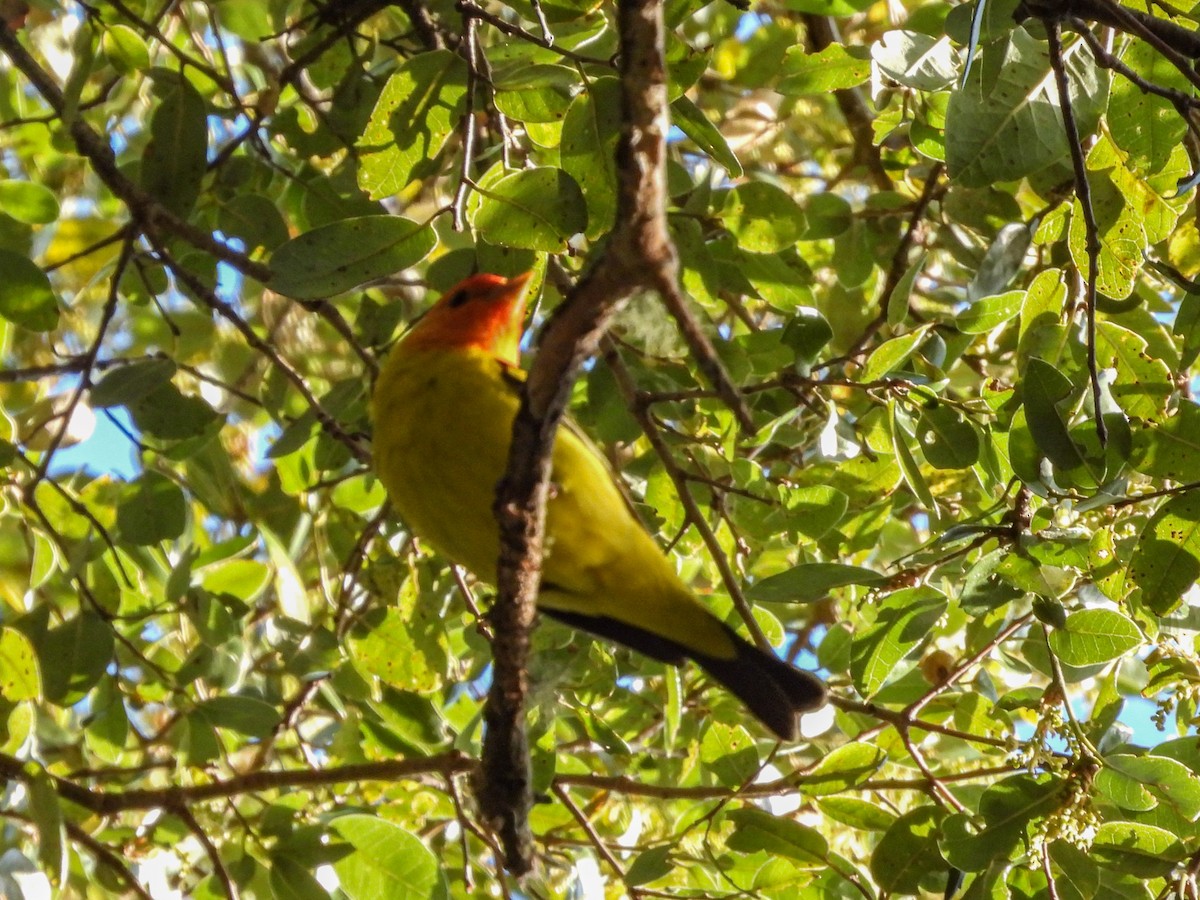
[{"x": 443, "y": 428}]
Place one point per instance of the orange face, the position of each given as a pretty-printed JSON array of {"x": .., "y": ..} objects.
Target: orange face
[{"x": 485, "y": 312}]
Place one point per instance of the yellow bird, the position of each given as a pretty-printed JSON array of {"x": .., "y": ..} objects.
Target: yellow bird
[{"x": 443, "y": 409}]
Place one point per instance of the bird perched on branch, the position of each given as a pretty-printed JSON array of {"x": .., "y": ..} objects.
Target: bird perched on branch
[{"x": 443, "y": 409}]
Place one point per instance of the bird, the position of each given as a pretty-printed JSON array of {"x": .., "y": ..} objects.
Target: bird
[{"x": 442, "y": 411}]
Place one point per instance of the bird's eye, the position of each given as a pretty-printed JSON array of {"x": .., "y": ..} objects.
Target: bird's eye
[{"x": 458, "y": 298}]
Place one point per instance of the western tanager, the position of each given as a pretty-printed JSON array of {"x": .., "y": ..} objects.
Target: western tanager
[{"x": 443, "y": 409}]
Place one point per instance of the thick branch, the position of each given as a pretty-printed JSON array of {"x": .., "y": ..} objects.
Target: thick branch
[{"x": 639, "y": 256}]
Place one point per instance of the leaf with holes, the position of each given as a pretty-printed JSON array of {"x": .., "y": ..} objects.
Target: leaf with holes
[
  {"x": 421, "y": 105},
  {"x": 533, "y": 209},
  {"x": 1166, "y": 560}
]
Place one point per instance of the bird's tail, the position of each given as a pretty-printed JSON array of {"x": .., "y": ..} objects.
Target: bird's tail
[{"x": 776, "y": 692}]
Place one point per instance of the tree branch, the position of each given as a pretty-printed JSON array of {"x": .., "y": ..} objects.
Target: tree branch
[
  {"x": 111, "y": 802},
  {"x": 639, "y": 256}
]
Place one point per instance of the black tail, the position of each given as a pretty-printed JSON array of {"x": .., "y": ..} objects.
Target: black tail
[{"x": 771, "y": 689}]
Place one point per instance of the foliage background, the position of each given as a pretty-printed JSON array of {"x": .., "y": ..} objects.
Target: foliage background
[{"x": 225, "y": 671}]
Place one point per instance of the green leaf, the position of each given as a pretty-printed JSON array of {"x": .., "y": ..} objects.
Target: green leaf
[
  {"x": 125, "y": 49},
  {"x": 176, "y": 159},
  {"x": 761, "y": 217},
  {"x": 908, "y": 852},
  {"x": 1006, "y": 122},
  {"x": 1142, "y": 384},
  {"x": 782, "y": 279},
  {"x": 989, "y": 312},
  {"x": 834, "y": 68},
  {"x": 947, "y": 439},
  {"x": 128, "y": 384},
  {"x": 809, "y": 582},
  {"x": 108, "y": 726},
  {"x": 728, "y": 751},
  {"x": 891, "y": 354},
  {"x": 1042, "y": 387},
  {"x": 45, "y": 811},
  {"x": 650, "y": 866},
  {"x": 692, "y": 121},
  {"x": 19, "y": 677},
  {"x": 26, "y": 297},
  {"x": 1135, "y": 849},
  {"x": 901, "y": 438},
  {"x": 916, "y": 60},
  {"x": 388, "y": 862},
  {"x": 1122, "y": 235},
  {"x": 246, "y": 715},
  {"x": 292, "y": 880},
  {"x": 1075, "y": 875},
  {"x": 828, "y": 7},
  {"x": 898, "y": 300},
  {"x": 1040, "y": 314},
  {"x": 589, "y": 139},
  {"x": 157, "y": 511},
  {"x": 1094, "y": 636},
  {"x": 755, "y": 830},
  {"x": 421, "y": 105},
  {"x": 843, "y": 769},
  {"x": 904, "y": 621},
  {"x": 1003, "y": 260},
  {"x": 169, "y": 414},
  {"x": 856, "y": 813},
  {"x": 73, "y": 657},
  {"x": 538, "y": 93},
  {"x": 344, "y": 254},
  {"x": 385, "y": 647},
  {"x": 1166, "y": 560},
  {"x": 255, "y": 220},
  {"x": 1138, "y": 782},
  {"x": 827, "y": 214},
  {"x": 28, "y": 202},
  {"x": 807, "y": 333},
  {"x": 1145, "y": 125},
  {"x": 1170, "y": 448},
  {"x": 241, "y": 578},
  {"x": 1005, "y": 811},
  {"x": 814, "y": 510},
  {"x": 534, "y": 209}
]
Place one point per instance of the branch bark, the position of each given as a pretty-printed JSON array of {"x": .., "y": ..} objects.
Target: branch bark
[
  {"x": 112, "y": 802},
  {"x": 639, "y": 256}
]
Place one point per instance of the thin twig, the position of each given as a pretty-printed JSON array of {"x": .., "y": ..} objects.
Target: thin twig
[
  {"x": 1084, "y": 192},
  {"x": 694, "y": 514},
  {"x": 468, "y": 8},
  {"x": 228, "y": 885},
  {"x": 577, "y": 814},
  {"x": 89, "y": 359},
  {"x": 459, "y": 202},
  {"x": 106, "y": 856},
  {"x": 703, "y": 351},
  {"x": 109, "y": 802}
]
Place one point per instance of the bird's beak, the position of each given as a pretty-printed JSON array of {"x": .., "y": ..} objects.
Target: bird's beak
[
  {"x": 517, "y": 283},
  {"x": 515, "y": 292}
]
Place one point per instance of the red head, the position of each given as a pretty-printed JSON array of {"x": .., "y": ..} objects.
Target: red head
[{"x": 485, "y": 312}]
